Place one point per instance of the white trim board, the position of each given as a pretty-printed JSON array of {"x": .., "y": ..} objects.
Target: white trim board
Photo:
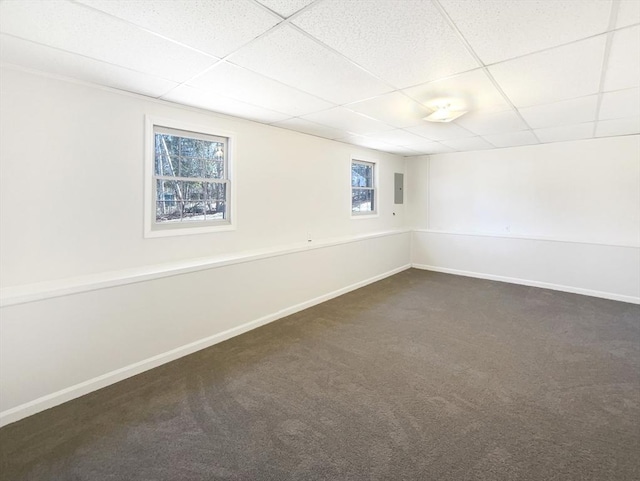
[
  {"x": 46, "y": 290},
  {"x": 51, "y": 400},
  {"x": 526, "y": 237},
  {"x": 530, "y": 283}
]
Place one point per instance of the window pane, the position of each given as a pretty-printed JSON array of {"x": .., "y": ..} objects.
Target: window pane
[
  {"x": 362, "y": 200},
  {"x": 216, "y": 200},
  {"x": 214, "y": 169},
  {"x": 361, "y": 175},
  {"x": 185, "y": 157},
  {"x": 166, "y": 153},
  {"x": 190, "y": 147},
  {"x": 168, "y": 201},
  {"x": 190, "y": 166}
]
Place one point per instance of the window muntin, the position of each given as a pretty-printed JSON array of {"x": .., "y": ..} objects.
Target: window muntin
[
  {"x": 363, "y": 191},
  {"x": 190, "y": 179}
]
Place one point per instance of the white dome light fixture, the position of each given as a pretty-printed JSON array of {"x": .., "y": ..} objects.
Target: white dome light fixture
[{"x": 444, "y": 113}]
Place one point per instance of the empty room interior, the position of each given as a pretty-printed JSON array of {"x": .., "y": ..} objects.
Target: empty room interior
[{"x": 319, "y": 240}]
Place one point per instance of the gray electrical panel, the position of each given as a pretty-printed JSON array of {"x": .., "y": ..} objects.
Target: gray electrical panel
[{"x": 398, "y": 195}]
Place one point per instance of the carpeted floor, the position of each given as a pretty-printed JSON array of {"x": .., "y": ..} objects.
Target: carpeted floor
[{"x": 421, "y": 376}]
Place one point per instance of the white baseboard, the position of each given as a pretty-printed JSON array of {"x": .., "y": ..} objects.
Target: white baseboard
[
  {"x": 527, "y": 282},
  {"x": 45, "y": 402}
]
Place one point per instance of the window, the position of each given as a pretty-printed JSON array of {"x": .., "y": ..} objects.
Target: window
[
  {"x": 363, "y": 192},
  {"x": 188, "y": 180}
]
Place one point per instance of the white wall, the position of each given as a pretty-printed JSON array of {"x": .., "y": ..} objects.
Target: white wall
[
  {"x": 72, "y": 177},
  {"x": 564, "y": 215},
  {"x": 87, "y": 300}
]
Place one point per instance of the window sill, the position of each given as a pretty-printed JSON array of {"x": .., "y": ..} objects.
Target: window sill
[
  {"x": 364, "y": 216},
  {"x": 209, "y": 229}
]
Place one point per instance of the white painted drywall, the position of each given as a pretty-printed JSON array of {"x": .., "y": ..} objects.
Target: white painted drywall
[
  {"x": 62, "y": 347},
  {"x": 71, "y": 173},
  {"x": 527, "y": 214}
]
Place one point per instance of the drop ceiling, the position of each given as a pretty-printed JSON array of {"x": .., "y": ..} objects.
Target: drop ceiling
[{"x": 364, "y": 72}]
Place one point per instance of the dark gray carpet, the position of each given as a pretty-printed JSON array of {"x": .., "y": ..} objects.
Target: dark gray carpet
[{"x": 421, "y": 376}]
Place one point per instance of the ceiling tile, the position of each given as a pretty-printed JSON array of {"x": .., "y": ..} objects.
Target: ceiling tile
[
  {"x": 574, "y": 111},
  {"x": 294, "y": 59},
  {"x": 285, "y": 8},
  {"x": 472, "y": 143},
  {"x": 216, "y": 27},
  {"x": 312, "y": 128},
  {"x": 82, "y": 30},
  {"x": 401, "y": 137},
  {"x": 492, "y": 123},
  {"x": 565, "y": 132},
  {"x": 628, "y": 13},
  {"x": 467, "y": 91},
  {"x": 368, "y": 142},
  {"x": 343, "y": 119},
  {"x": 435, "y": 148},
  {"x": 404, "y": 151},
  {"x": 620, "y": 104},
  {"x": 252, "y": 88},
  {"x": 38, "y": 57},
  {"x": 406, "y": 140},
  {"x": 512, "y": 139},
  {"x": 559, "y": 74},
  {"x": 623, "y": 68},
  {"x": 521, "y": 27},
  {"x": 211, "y": 101},
  {"x": 443, "y": 131},
  {"x": 393, "y": 108},
  {"x": 405, "y": 43},
  {"x": 607, "y": 128},
  {"x": 429, "y": 147}
]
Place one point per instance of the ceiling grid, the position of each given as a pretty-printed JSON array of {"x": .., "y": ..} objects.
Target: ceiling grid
[{"x": 365, "y": 72}]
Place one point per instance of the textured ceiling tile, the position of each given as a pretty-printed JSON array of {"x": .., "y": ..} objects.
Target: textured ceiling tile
[
  {"x": 285, "y": 8},
  {"x": 393, "y": 108},
  {"x": 472, "y": 143},
  {"x": 401, "y": 137},
  {"x": 208, "y": 100},
  {"x": 435, "y": 148},
  {"x": 620, "y": 104},
  {"x": 81, "y": 30},
  {"x": 252, "y": 88},
  {"x": 628, "y": 13},
  {"x": 565, "y": 132},
  {"x": 38, "y": 57},
  {"x": 312, "y": 128},
  {"x": 574, "y": 111},
  {"x": 559, "y": 74},
  {"x": 492, "y": 123},
  {"x": 404, "y": 42},
  {"x": 468, "y": 91},
  {"x": 623, "y": 69},
  {"x": 427, "y": 146},
  {"x": 444, "y": 131},
  {"x": 343, "y": 119},
  {"x": 217, "y": 27},
  {"x": 608, "y": 128},
  {"x": 368, "y": 142},
  {"x": 521, "y": 27},
  {"x": 404, "y": 151},
  {"x": 512, "y": 139},
  {"x": 294, "y": 59}
]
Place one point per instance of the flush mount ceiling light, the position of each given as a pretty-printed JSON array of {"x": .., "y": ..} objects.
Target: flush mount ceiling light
[{"x": 444, "y": 113}]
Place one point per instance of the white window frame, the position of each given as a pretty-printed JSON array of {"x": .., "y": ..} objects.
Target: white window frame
[
  {"x": 155, "y": 229},
  {"x": 366, "y": 214}
]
